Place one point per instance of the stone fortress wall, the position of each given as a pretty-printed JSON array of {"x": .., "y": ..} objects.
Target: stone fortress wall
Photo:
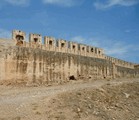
[
  {"x": 57, "y": 60},
  {"x": 60, "y": 45}
]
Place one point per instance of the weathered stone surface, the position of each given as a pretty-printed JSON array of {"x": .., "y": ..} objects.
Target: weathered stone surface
[
  {"x": 5, "y": 44},
  {"x": 50, "y": 64}
]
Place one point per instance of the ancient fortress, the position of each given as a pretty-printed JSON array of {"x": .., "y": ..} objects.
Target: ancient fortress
[{"x": 57, "y": 61}]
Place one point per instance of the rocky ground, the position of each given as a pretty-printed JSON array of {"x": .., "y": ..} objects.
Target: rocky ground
[{"x": 77, "y": 100}]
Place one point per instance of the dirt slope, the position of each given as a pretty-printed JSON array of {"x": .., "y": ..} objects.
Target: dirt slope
[{"x": 94, "y": 100}]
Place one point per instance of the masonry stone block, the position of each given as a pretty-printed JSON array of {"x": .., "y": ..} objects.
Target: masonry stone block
[
  {"x": 35, "y": 38},
  {"x": 19, "y": 37},
  {"x": 49, "y": 42}
]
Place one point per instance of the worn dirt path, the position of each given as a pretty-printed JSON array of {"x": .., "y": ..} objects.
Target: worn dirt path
[
  {"x": 17, "y": 101},
  {"x": 25, "y": 94}
]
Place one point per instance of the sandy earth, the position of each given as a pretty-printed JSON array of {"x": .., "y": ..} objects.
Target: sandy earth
[{"x": 76, "y": 100}]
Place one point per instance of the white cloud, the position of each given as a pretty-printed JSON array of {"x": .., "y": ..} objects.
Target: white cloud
[
  {"x": 110, "y": 3},
  {"x": 5, "y": 33},
  {"x": 78, "y": 39},
  {"x": 115, "y": 48},
  {"x": 65, "y": 3},
  {"x": 118, "y": 49},
  {"x": 18, "y": 2},
  {"x": 127, "y": 31}
]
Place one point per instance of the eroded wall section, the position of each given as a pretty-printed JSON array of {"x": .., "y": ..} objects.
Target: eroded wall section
[{"x": 41, "y": 66}]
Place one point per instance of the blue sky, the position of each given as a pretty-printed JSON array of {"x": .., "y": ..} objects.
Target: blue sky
[{"x": 109, "y": 24}]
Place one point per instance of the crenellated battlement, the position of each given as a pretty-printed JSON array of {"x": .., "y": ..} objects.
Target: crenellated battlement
[
  {"x": 119, "y": 62},
  {"x": 57, "y": 45},
  {"x": 63, "y": 46},
  {"x": 35, "y": 38}
]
